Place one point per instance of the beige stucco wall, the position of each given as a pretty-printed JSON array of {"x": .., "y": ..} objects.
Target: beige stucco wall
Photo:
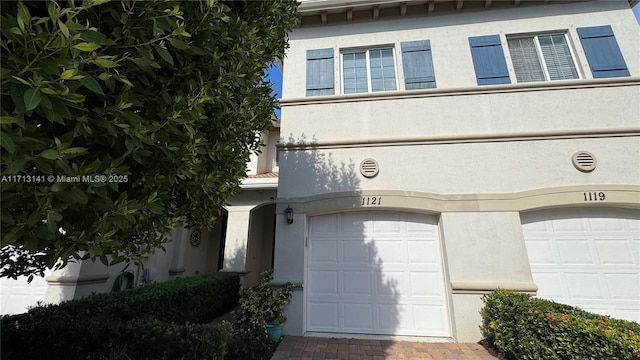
[
  {"x": 476, "y": 157},
  {"x": 473, "y": 168},
  {"x": 475, "y": 111}
]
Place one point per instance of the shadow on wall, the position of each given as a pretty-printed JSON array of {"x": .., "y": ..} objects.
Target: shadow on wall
[
  {"x": 320, "y": 172},
  {"x": 349, "y": 291},
  {"x": 236, "y": 261},
  {"x": 260, "y": 244}
]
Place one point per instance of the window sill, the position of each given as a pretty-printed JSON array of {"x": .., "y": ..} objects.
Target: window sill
[{"x": 475, "y": 90}]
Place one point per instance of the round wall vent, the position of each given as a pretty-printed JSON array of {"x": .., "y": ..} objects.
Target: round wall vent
[
  {"x": 369, "y": 168},
  {"x": 584, "y": 161}
]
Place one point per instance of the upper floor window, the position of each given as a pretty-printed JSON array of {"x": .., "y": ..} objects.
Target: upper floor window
[
  {"x": 368, "y": 71},
  {"x": 542, "y": 58},
  {"x": 546, "y": 57},
  {"x": 371, "y": 70}
]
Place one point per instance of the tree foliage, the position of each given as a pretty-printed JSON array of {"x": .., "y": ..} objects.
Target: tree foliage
[{"x": 150, "y": 107}]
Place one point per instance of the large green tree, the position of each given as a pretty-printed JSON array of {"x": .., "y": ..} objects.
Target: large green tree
[{"x": 152, "y": 109}]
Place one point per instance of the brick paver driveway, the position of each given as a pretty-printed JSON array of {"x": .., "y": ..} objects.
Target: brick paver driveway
[{"x": 309, "y": 348}]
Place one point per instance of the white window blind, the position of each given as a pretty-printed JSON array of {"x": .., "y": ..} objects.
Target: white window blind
[
  {"x": 542, "y": 58},
  {"x": 557, "y": 57}
]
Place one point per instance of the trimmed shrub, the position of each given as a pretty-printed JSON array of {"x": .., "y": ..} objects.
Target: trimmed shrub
[
  {"x": 153, "y": 339},
  {"x": 195, "y": 299},
  {"x": 249, "y": 342},
  {"x": 523, "y": 327},
  {"x": 258, "y": 305},
  {"x": 156, "y": 322}
]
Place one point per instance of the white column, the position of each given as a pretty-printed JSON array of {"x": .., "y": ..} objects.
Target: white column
[
  {"x": 236, "y": 243},
  {"x": 180, "y": 240},
  {"x": 59, "y": 291}
]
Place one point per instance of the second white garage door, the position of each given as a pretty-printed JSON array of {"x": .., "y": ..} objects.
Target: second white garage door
[
  {"x": 376, "y": 273},
  {"x": 588, "y": 258}
]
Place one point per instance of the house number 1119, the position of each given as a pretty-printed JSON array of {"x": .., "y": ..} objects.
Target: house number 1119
[{"x": 594, "y": 196}]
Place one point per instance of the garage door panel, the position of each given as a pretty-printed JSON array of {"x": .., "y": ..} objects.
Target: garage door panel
[
  {"x": 549, "y": 285},
  {"x": 325, "y": 225},
  {"x": 423, "y": 252},
  {"x": 355, "y": 252},
  {"x": 356, "y": 282},
  {"x": 358, "y": 316},
  {"x": 587, "y": 257},
  {"x": 631, "y": 313},
  {"x": 614, "y": 252},
  {"x": 607, "y": 225},
  {"x": 540, "y": 252},
  {"x": 430, "y": 312},
  {"x": 405, "y": 319},
  {"x": 325, "y": 315},
  {"x": 325, "y": 251},
  {"x": 623, "y": 286},
  {"x": 391, "y": 252},
  {"x": 391, "y": 283},
  {"x": 323, "y": 282},
  {"x": 426, "y": 284},
  {"x": 354, "y": 224},
  {"x": 584, "y": 286},
  {"x": 575, "y": 252},
  {"x": 391, "y": 318},
  {"x": 384, "y": 274},
  {"x": 567, "y": 226},
  {"x": 385, "y": 223},
  {"x": 536, "y": 226}
]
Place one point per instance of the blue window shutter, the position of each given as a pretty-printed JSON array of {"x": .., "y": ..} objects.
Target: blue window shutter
[
  {"x": 488, "y": 60},
  {"x": 602, "y": 52},
  {"x": 417, "y": 64},
  {"x": 320, "y": 72}
]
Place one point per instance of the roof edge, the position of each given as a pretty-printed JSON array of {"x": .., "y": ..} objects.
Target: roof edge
[{"x": 319, "y": 5}]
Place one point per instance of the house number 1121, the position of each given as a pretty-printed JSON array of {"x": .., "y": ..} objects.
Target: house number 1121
[
  {"x": 371, "y": 200},
  {"x": 594, "y": 196}
]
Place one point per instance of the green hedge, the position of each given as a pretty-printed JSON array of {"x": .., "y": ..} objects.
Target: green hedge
[
  {"x": 160, "y": 321},
  {"x": 523, "y": 327},
  {"x": 195, "y": 299}
]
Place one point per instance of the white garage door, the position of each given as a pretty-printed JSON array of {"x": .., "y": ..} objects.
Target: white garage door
[
  {"x": 17, "y": 296},
  {"x": 588, "y": 258},
  {"x": 376, "y": 273}
]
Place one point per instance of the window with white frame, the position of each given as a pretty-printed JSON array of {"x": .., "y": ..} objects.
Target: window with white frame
[
  {"x": 542, "y": 57},
  {"x": 368, "y": 71}
]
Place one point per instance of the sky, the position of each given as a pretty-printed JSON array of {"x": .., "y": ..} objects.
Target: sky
[{"x": 275, "y": 75}]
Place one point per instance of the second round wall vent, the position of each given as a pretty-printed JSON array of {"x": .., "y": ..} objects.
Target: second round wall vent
[
  {"x": 369, "y": 168},
  {"x": 584, "y": 161}
]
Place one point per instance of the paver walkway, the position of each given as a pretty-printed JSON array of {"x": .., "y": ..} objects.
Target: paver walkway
[{"x": 309, "y": 348}]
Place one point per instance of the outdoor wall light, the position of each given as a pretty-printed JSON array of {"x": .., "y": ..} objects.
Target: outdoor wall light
[{"x": 289, "y": 212}]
